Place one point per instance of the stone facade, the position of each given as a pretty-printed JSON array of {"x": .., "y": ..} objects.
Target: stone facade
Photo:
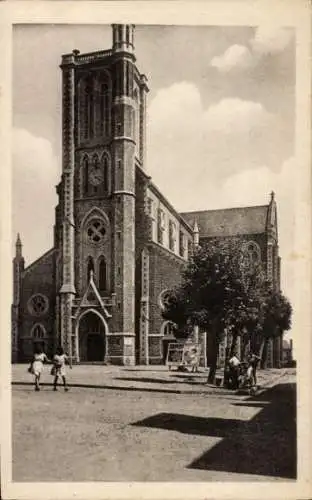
[
  {"x": 36, "y": 307},
  {"x": 119, "y": 244}
]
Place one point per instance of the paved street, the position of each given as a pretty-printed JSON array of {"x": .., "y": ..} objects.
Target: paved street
[{"x": 148, "y": 424}]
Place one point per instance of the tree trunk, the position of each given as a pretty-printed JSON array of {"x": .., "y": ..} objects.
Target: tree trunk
[
  {"x": 245, "y": 342},
  {"x": 213, "y": 368},
  {"x": 233, "y": 344},
  {"x": 214, "y": 359},
  {"x": 254, "y": 345},
  {"x": 263, "y": 353}
]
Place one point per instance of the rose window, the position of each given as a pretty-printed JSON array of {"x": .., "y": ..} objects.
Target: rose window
[
  {"x": 96, "y": 231},
  {"x": 38, "y": 304},
  {"x": 164, "y": 299}
]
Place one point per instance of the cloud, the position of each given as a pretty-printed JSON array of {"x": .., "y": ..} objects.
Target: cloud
[
  {"x": 267, "y": 39},
  {"x": 175, "y": 109},
  {"x": 230, "y": 135},
  {"x": 270, "y": 40},
  {"x": 236, "y": 56},
  {"x": 236, "y": 116},
  {"x": 35, "y": 174}
]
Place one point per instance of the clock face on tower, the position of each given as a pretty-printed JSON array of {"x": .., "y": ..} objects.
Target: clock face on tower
[{"x": 96, "y": 174}]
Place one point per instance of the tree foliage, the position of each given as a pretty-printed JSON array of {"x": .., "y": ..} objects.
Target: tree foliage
[
  {"x": 222, "y": 289},
  {"x": 216, "y": 289},
  {"x": 277, "y": 314}
]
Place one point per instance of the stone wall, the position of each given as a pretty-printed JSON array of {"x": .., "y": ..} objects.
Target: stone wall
[
  {"x": 165, "y": 273},
  {"x": 38, "y": 280}
]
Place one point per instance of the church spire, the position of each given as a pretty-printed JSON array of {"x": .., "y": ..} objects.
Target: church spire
[
  {"x": 18, "y": 247},
  {"x": 18, "y": 268}
]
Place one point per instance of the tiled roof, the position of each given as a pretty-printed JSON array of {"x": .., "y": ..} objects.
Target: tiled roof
[{"x": 229, "y": 221}]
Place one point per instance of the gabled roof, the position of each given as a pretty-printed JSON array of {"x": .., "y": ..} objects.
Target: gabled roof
[
  {"x": 229, "y": 221},
  {"x": 40, "y": 259},
  {"x": 92, "y": 297}
]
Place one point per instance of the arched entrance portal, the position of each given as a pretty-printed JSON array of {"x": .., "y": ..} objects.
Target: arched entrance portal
[{"x": 92, "y": 337}]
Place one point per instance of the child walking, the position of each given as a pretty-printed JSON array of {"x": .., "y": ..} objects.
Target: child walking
[
  {"x": 36, "y": 367},
  {"x": 58, "y": 370}
]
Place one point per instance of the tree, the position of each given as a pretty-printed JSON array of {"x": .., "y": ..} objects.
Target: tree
[
  {"x": 177, "y": 311},
  {"x": 277, "y": 313},
  {"x": 218, "y": 290}
]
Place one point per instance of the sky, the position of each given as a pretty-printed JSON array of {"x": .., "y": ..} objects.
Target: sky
[{"x": 220, "y": 121}]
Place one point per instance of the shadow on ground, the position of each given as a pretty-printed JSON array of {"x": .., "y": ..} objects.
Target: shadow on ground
[
  {"x": 113, "y": 387},
  {"x": 264, "y": 445},
  {"x": 147, "y": 380},
  {"x": 152, "y": 380},
  {"x": 135, "y": 370}
]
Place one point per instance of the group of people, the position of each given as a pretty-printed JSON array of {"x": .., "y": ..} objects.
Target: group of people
[
  {"x": 236, "y": 371},
  {"x": 242, "y": 372},
  {"x": 59, "y": 361}
]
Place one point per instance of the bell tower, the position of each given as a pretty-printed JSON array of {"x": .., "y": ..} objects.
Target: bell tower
[
  {"x": 104, "y": 104},
  {"x": 124, "y": 148}
]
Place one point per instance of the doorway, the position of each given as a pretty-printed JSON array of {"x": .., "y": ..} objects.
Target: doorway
[
  {"x": 92, "y": 338},
  {"x": 95, "y": 347}
]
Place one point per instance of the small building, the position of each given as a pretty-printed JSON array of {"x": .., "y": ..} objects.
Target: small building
[{"x": 287, "y": 355}]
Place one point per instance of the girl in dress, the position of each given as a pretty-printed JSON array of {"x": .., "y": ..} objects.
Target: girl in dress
[
  {"x": 36, "y": 367},
  {"x": 58, "y": 370}
]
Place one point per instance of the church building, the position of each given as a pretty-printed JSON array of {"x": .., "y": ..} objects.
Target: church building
[{"x": 119, "y": 244}]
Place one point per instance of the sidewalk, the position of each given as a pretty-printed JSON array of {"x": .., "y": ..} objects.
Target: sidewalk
[{"x": 146, "y": 378}]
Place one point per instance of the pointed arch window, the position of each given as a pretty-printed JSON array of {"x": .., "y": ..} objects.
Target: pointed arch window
[
  {"x": 106, "y": 173},
  {"x": 128, "y": 74},
  {"x": 102, "y": 274},
  {"x": 90, "y": 267},
  {"x": 182, "y": 244},
  {"x": 89, "y": 110},
  {"x": 160, "y": 226},
  {"x": 95, "y": 175},
  {"x": 251, "y": 256},
  {"x": 85, "y": 174},
  {"x": 104, "y": 109},
  {"x": 168, "y": 329},
  {"x": 172, "y": 235},
  {"x": 136, "y": 121},
  {"x": 189, "y": 248},
  {"x": 38, "y": 332},
  {"x": 119, "y": 78}
]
